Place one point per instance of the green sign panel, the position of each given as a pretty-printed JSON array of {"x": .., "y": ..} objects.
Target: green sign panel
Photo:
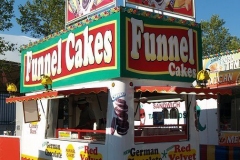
[
  {"x": 120, "y": 42},
  {"x": 161, "y": 49}
]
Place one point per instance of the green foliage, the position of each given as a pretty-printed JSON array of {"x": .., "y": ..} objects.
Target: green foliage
[
  {"x": 6, "y": 14},
  {"x": 216, "y": 38},
  {"x": 42, "y": 17},
  {"x": 234, "y": 43}
]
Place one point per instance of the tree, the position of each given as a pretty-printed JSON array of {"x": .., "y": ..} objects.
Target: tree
[
  {"x": 6, "y": 14},
  {"x": 216, "y": 38},
  {"x": 6, "y": 68},
  {"x": 42, "y": 17},
  {"x": 234, "y": 43}
]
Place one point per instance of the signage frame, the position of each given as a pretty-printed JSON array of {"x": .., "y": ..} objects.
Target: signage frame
[
  {"x": 71, "y": 18},
  {"x": 180, "y": 13}
]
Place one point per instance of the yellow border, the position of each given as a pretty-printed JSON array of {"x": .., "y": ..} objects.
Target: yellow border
[{"x": 31, "y": 157}]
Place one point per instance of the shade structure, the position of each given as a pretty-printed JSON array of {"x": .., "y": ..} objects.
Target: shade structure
[
  {"x": 182, "y": 90},
  {"x": 52, "y": 94}
]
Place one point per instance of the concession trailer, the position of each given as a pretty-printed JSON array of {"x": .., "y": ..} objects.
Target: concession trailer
[
  {"x": 135, "y": 68},
  {"x": 218, "y": 117}
]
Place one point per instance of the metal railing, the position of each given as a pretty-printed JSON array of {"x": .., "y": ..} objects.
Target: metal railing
[{"x": 7, "y": 114}]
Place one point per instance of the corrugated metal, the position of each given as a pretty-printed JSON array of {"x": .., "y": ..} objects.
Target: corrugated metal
[{"x": 7, "y": 114}]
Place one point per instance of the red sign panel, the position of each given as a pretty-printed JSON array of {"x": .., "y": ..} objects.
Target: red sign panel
[
  {"x": 180, "y": 7},
  {"x": 161, "y": 49},
  {"x": 83, "y": 50},
  {"x": 10, "y": 147},
  {"x": 229, "y": 139}
]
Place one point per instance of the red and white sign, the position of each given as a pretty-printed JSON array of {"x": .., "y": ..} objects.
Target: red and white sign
[
  {"x": 92, "y": 48},
  {"x": 174, "y": 47},
  {"x": 229, "y": 139}
]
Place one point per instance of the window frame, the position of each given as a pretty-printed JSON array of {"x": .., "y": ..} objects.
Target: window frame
[
  {"x": 227, "y": 121},
  {"x": 73, "y": 134},
  {"x": 173, "y": 133}
]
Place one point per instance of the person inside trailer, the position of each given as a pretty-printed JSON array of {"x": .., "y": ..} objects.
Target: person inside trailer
[
  {"x": 142, "y": 117},
  {"x": 87, "y": 117}
]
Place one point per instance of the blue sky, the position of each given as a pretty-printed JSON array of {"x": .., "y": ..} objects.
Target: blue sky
[{"x": 227, "y": 10}]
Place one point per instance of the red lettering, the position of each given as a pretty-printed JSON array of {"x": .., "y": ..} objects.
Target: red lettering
[
  {"x": 176, "y": 104},
  {"x": 86, "y": 149},
  {"x": 172, "y": 157},
  {"x": 188, "y": 148},
  {"x": 182, "y": 149},
  {"x": 182, "y": 157},
  {"x": 82, "y": 157},
  {"x": 90, "y": 150},
  {"x": 177, "y": 148}
]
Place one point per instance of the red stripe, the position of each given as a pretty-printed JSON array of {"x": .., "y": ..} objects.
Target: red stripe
[
  {"x": 203, "y": 152},
  {"x": 230, "y": 152}
]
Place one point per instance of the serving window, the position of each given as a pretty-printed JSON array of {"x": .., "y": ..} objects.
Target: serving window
[
  {"x": 159, "y": 117},
  {"x": 229, "y": 112},
  {"x": 64, "y": 115}
]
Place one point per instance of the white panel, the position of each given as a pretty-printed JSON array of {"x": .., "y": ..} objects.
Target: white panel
[{"x": 208, "y": 121}]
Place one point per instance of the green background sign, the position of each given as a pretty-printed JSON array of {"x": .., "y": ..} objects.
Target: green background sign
[{"x": 117, "y": 21}]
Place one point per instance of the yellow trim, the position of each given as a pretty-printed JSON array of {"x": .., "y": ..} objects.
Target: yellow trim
[{"x": 31, "y": 157}]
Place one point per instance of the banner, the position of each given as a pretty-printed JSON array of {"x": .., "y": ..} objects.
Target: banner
[
  {"x": 165, "y": 50},
  {"x": 74, "y": 56},
  {"x": 79, "y": 8},
  {"x": 229, "y": 139},
  {"x": 224, "y": 69},
  {"x": 180, "y": 7},
  {"x": 225, "y": 62},
  {"x": 224, "y": 79}
]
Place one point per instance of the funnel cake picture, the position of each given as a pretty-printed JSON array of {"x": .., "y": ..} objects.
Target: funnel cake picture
[
  {"x": 169, "y": 4},
  {"x": 183, "y": 4},
  {"x": 215, "y": 67},
  {"x": 80, "y": 7},
  {"x": 120, "y": 123}
]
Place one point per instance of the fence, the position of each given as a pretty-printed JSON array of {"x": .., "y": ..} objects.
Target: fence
[{"x": 7, "y": 114}]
